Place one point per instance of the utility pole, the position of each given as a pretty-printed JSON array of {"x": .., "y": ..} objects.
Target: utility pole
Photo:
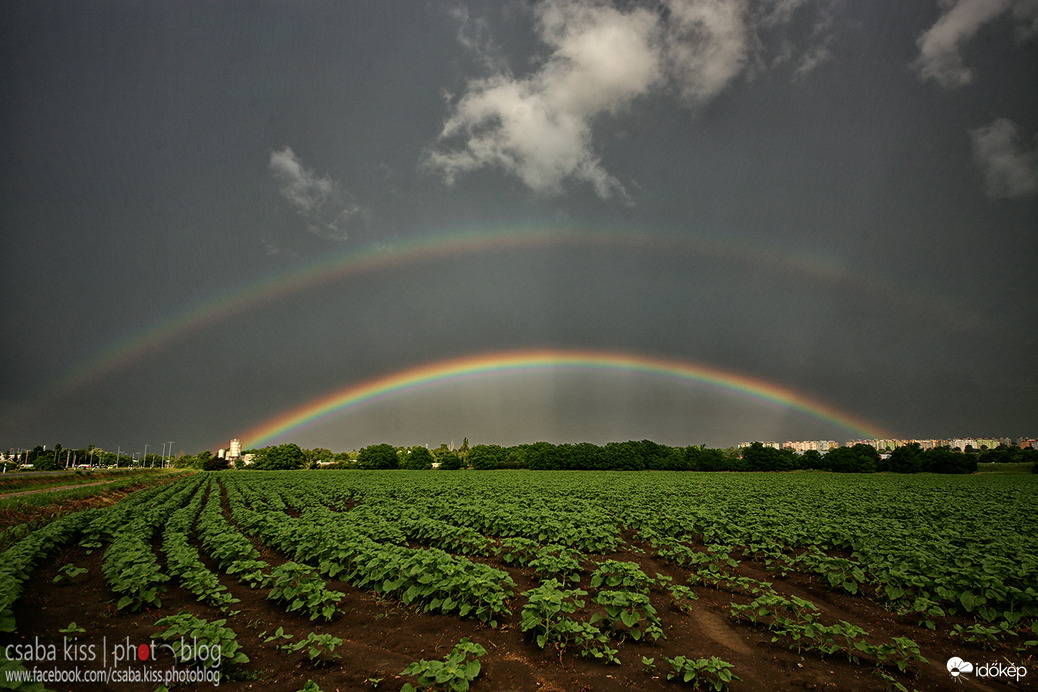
[{"x": 146, "y": 455}]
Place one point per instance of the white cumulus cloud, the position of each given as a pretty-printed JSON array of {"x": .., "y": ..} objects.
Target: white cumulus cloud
[
  {"x": 1009, "y": 165},
  {"x": 538, "y": 127},
  {"x": 706, "y": 45},
  {"x": 940, "y": 47},
  {"x": 599, "y": 58},
  {"x": 328, "y": 210}
]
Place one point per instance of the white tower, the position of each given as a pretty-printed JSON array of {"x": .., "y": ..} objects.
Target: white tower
[{"x": 235, "y": 450}]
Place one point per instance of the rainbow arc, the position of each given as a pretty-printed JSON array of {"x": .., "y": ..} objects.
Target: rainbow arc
[{"x": 338, "y": 402}]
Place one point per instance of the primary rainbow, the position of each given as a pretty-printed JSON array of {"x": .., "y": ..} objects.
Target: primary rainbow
[{"x": 338, "y": 401}]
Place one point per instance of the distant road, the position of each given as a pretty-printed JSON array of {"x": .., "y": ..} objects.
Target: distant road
[
  {"x": 30, "y": 474},
  {"x": 52, "y": 490}
]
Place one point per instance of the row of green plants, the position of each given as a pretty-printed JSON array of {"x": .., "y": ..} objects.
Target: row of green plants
[
  {"x": 909, "y": 542},
  {"x": 131, "y": 569},
  {"x": 436, "y": 579},
  {"x": 184, "y": 562},
  {"x": 927, "y": 548}
]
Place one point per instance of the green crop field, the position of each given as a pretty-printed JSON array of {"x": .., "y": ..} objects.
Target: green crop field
[{"x": 541, "y": 580}]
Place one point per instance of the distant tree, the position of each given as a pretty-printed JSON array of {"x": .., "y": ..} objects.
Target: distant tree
[
  {"x": 45, "y": 461},
  {"x": 759, "y": 457},
  {"x": 202, "y": 458},
  {"x": 861, "y": 458},
  {"x": 947, "y": 460},
  {"x": 654, "y": 456},
  {"x": 315, "y": 456},
  {"x": 515, "y": 458},
  {"x": 623, "y": 456},
  {"x": 708, "y": 459},
  {"x": 417, "y": 458},
  {"x": 906, "y": 459},
  {"x": 675, "y": 460},
  {"x": 542, "y": 456},
  {"x": 278, "y": 458},
  {"x": 180, "y": 461},
  {"x": 215, "y": 464},
  {"x": 450, "y": 461},
  {"x": 486, "y": 457},
  {"x": 380, "y": 456},
  {"x": 811, "y": 459},
  {"x": 585, "y": 455}
]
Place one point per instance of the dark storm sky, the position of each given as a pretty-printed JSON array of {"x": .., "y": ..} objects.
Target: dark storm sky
[{"x": 837, "y": 198}]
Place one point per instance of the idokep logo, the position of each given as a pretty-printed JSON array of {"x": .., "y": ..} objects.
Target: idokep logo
[{"x": 956, "y": 666}]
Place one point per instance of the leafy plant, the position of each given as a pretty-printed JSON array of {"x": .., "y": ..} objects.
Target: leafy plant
[
  {"x": 545, "y": 617},
  {"x": 69, "y": 571},
  {"x": 557, "y": 561},
  {"x": 252, "y": 572},
  {"x": 72, "y": 628},
  {"x": 633, "y": 611},
  {"x": 201, "y": 642},
  {"x": 624, "y": 575},
  {"x": 682, "y": 597},
  {"x": 455, "y": 672},
  {"x": 279, "y": 633},
  {"x": 302, "y": 589},
  {"x": 320, "y": 647},
  {"x": 702, "y": 672}
]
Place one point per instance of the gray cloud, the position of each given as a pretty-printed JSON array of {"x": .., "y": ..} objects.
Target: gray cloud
[
  {"x": 328, "y": 210},
  {"x": 940, "y": 47},
  {"x": 1010, "y": 167},
  {"x": 1025, "y": 12}
]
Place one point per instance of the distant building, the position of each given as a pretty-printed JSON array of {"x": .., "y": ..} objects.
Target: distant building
[
  {"x": 235, "y": 451},
  {"x": 773, "y": 445},
  {"x": 802, "y": 446}
]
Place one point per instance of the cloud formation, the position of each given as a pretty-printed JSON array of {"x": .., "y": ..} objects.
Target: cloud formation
[
  {"x": 940, "y": 47},
  {"x": 705, "y": 45},
  {"x": 538, "y": 128},
  {"x": 328, "y": 210},
  {"x": 1010, "y": 167},
  {"x": 599, "y": 59},
  {"x": 805, "y": 53}
]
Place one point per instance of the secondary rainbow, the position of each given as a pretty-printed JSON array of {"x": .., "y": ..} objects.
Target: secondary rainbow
[
  {"x": 495, "y": 362},
  {"x": 159, "y": 335}
]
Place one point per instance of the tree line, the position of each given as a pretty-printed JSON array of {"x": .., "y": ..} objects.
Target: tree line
[{"x": 643, "y": 455}]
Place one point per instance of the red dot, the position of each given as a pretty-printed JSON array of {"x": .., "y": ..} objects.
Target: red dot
[{"x": 143, "y": 652}]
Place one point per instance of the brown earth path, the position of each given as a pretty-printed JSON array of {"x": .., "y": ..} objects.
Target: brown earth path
[{"x": 52, "y": 490}]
